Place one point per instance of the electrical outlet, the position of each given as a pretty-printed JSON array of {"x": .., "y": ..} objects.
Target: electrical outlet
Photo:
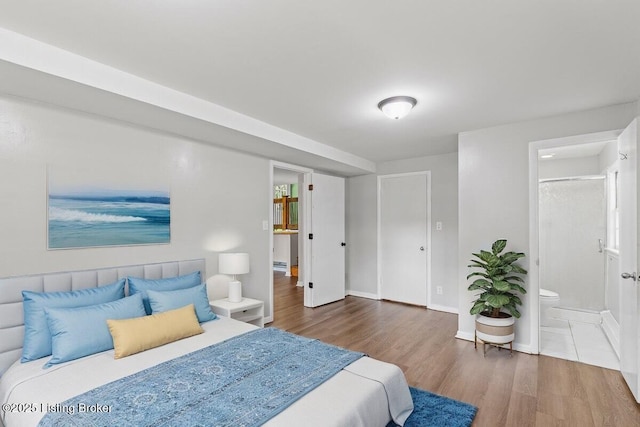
[
  {"x": 439, "y": 290},
  {"x": 438, "y": 225}
]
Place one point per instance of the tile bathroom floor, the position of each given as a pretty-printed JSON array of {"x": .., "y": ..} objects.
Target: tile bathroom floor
[{"x": 579, "y": 341}]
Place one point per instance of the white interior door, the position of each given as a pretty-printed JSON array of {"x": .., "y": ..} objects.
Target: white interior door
[
  {"x": 403, "y": 245},
  {"x": 628, "y": 208},
  {"x": 327, "y": 272}
]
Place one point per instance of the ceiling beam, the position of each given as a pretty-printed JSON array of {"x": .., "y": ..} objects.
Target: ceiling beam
[{"x": 38, "y": 71}]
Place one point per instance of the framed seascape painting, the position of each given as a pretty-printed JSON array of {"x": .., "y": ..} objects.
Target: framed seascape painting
[{"x": 88, "y": 210}]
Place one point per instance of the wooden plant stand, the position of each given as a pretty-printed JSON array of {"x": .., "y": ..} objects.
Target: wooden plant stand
[{"x": 485, "y": 343}]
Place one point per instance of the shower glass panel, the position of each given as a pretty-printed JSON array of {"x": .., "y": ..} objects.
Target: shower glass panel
[{"x": 572, "y": 234}]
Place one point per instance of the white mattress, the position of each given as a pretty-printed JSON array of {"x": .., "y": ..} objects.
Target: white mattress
[{"x": 366, "y": 393}]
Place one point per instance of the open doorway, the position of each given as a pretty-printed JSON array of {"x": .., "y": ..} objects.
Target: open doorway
[
  {"x": 287, "y": 224},
  {"x": 575, "y": 281}
]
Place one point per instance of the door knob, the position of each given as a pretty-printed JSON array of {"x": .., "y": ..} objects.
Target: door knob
[
  {"x": 343, "y": 244},
  {"x": 629, "y": 276},
  {"x": 422, "y": 248}
]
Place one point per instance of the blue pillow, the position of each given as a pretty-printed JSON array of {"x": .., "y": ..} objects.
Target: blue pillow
[
  {"x": 170, "y": 300},
  {"x": 37, "y": 339},
  {"x": 141, "y": 286},
  {"x": 79, "y": 332}
]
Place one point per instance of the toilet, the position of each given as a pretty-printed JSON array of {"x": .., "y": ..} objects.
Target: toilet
[{"x": 548, "y": 299}]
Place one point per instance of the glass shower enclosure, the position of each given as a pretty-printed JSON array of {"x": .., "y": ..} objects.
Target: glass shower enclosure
[{"x": 572, "y": 215}]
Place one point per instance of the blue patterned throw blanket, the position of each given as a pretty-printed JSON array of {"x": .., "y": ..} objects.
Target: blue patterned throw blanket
[{"x": 243, "y": 381}]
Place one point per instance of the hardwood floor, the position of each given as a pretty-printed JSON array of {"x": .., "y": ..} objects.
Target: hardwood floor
[{"x": 523, "y": 390}]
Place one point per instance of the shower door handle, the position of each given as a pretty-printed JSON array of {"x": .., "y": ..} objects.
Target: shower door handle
[
  {"x": 600, "y": 245},
  {"x": 629, "y": 276}
]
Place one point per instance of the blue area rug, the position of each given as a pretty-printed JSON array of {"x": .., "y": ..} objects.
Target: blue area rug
[{"x": 438, "y": 411}]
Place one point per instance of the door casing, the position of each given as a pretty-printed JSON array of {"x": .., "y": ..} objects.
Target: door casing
[{"x": 532, "y": 298}]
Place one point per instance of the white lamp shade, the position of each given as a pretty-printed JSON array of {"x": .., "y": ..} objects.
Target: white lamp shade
[
  {"x": 233, "y": 263},
  {"x": 397, "y": 107}
]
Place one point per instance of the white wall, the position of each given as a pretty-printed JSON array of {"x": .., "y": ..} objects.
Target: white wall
[
  {"x": 608, "y": 157},
  {"x": 362, "y": 226},
  {"x": 216, "y": 205},
  {"x": 362, "y": 235},
  {"x": 564, "y": 168},
  {"x": 612, "y": 289},
  {"x": 494, "y": 192}
]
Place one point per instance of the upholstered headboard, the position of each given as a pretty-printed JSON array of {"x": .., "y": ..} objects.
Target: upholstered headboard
[{"x": 12, "y": 315}]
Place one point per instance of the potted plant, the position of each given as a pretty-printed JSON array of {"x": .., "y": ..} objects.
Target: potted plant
[{"x": 498, "y": 279}]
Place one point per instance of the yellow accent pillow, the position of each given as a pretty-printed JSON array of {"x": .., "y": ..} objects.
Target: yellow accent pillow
[{"x": 131, "y": 336}]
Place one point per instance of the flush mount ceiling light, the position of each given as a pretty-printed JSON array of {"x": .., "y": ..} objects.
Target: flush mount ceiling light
[{"x": 397, "y": 107}]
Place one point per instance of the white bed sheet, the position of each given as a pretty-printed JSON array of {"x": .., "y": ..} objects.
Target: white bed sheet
[{"x": 367, "y": 393}]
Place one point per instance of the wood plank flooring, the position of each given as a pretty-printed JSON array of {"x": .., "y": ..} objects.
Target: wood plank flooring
[{"x": 523, "y": 390}]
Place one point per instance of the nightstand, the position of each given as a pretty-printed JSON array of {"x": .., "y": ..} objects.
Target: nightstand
[{"x": 248, "y": 310}]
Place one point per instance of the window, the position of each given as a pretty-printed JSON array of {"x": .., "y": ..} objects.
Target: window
[
  {"x": 285, "y": 208},
  {"x": 279, "y": 191}
]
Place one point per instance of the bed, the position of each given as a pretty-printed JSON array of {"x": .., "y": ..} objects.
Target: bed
[{"x": 365, "y": 392}]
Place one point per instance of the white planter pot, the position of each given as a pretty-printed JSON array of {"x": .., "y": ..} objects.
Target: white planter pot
[{"x": 495, "y": 330}]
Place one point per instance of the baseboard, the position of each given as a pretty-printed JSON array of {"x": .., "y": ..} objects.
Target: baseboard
[
  {"x": 522, "y": 348},
  {"x": 611, "y": 329},
  {"x": 436, "y": 307},
  {"x": 465, "y": 336},
  {"x": 268, "y": 319},
  {"x": 300, "y": 284},
  {"x": 363, "y": 295}
]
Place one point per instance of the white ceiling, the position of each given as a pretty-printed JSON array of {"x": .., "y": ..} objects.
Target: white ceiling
[{"x": 318, "y": 69}]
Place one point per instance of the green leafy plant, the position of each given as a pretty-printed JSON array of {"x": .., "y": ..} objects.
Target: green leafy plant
[{"x": 499, "y": 280}]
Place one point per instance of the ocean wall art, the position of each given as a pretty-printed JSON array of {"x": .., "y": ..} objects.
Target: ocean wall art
[{"x": 102, "y": 211}]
